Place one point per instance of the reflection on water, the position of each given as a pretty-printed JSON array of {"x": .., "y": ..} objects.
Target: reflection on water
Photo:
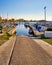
[{"x": 22, "y": 30}]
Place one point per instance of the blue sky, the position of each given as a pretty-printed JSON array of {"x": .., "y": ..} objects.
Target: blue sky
[{"x": 27, "y": 9}]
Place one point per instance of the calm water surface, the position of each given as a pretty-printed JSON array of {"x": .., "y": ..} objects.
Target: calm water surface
[{"x": 22, "y": 30}]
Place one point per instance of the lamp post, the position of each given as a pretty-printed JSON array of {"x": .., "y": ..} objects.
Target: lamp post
[
  {"x": 45, "y": 12},
  {"x": 7, "y": 15}
]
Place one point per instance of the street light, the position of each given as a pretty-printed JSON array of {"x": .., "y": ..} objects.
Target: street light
[
  {"x": 7, "y": 17},
  {"x": 45, "y": 12}
]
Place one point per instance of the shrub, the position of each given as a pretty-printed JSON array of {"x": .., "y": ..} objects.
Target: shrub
[
  {"x": 42, "y": 36},
  {"x": 7, "y": 36}
]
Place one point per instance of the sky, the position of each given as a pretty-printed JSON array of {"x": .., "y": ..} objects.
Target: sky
[{"x": 26, "y": 9}]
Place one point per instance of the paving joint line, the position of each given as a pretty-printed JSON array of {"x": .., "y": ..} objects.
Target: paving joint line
[{"x": 11, "y": 53}]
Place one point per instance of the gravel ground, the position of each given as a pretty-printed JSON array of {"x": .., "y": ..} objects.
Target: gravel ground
[{"x": 28, "y": 52}]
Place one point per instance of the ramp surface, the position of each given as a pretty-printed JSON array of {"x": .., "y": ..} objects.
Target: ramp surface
[{"x": 28, "y": 52}]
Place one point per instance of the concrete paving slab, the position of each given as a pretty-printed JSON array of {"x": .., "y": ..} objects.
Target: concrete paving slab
[{"x": 5, "y": 51}]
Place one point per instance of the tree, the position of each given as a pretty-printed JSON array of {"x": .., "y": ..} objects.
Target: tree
[
  {"x": 6, "y": 20},
  {"x": 0, "y": 19},
  {"x": 1, "y": 28},
  {"x": 12, "y": 20},
  {"x": 21, "y": 20}
]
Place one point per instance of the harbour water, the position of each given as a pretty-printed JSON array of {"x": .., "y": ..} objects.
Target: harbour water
[{"x": 22, "y": 30}]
